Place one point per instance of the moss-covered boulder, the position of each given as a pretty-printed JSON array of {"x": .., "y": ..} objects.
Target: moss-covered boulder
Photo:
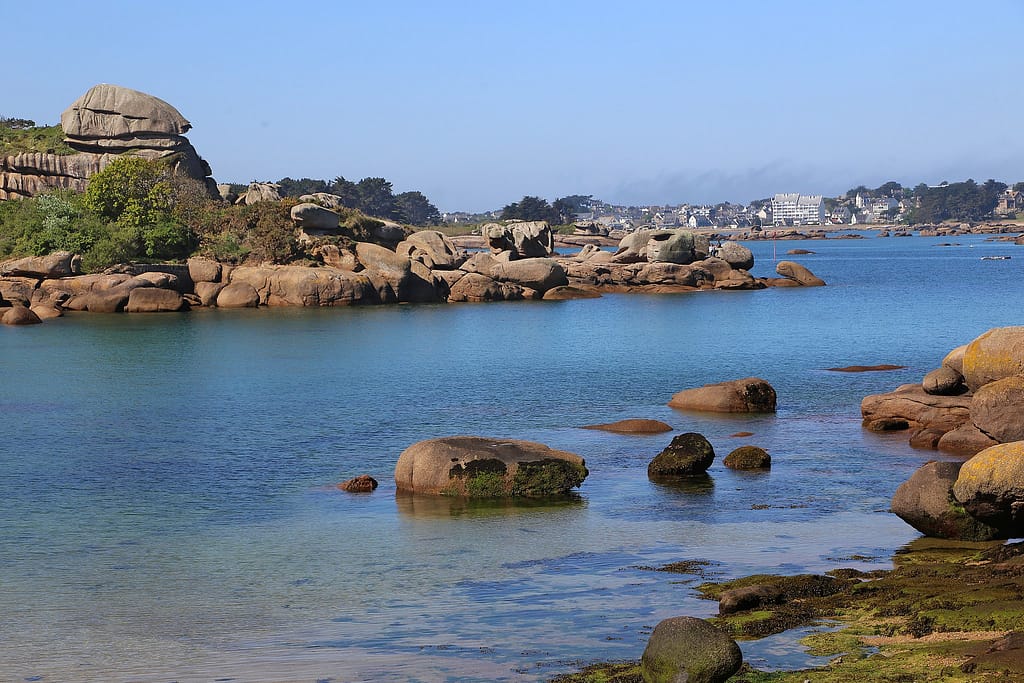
[
  {"x": 926, "y": 502},
  {"x": 994, "y": 355},
  {"x": 688, "y": 455},
  {"x": 481, "y": 467},
  {"x": 691, "y": 650},
  {"x": 990, "y": 486},
  {"x": 748, "y": 458}
]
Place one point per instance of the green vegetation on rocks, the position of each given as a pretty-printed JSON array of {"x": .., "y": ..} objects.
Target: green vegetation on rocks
[
  {"x": 947, "y": 611},
  {"x": 22, "y": 135}
]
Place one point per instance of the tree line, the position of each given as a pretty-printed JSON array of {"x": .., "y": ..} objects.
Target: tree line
[
  {"x": 964, "y": 201},
  {"x": 372, "y": 196}
]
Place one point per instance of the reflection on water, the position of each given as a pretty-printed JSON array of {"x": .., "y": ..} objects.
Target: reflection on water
[{"x": 166, "y": 494}]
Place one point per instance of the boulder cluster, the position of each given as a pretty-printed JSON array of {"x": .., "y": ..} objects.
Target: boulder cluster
[
  {"x": 972, "y": 405},
  {"x": 973, "y": 400},
  {"x": 106, "y": 121},
  {"x": 675, "y": 260},
  {"x": 400, "y": 266}
]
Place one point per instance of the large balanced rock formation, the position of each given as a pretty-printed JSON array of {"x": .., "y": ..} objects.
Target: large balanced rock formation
[
  {"x": 106, "y": 121},
  {"x": 974, "y": 400},
  {"x": 480, "y": 467},
  {"x": 749, "y": 395},
  {"x": 690, "y": 650}
]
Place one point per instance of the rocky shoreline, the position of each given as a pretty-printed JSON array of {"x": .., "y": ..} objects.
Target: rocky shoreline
[{"x": 419, "y": 267}]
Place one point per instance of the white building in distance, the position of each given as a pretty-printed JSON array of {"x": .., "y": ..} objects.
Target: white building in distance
[{"x": 798, "y": 209}]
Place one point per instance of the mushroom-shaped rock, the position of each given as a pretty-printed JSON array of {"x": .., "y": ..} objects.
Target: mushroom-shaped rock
[
  {"x": 997, "y": 409},
  {"x": 690, "y": 650},
  {"x": 633, "y": 426},
  {"x": 309, "y": 216},
  {"x": 994, "y": 355},
  {"x": 19, "y": 315},
  {"x": 926, "y": 502},
  {"x": 990, "y": 486},
  {"x": 798, "y": 273},
  {"x": 749, "y": 395},
  {"x": 944, "y": 381},
  {"x": 110, "y": 111},
  {"x": 748, "y": 458},
  {"x": 481, "y": 467},
  {"x": 364, "y": 483},
  {"x": 688, "y": 454}
]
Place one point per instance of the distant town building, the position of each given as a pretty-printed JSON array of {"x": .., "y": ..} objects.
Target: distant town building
[
  {"x": 1010, "y": 201},
  {"x": 798, "y": 209}
]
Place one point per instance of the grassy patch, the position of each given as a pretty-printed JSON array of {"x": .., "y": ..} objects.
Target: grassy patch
[{"x": 44, "y": 139}]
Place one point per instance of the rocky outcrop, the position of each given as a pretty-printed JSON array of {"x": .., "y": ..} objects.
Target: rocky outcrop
[
  {"x": 736, "y": 255},
  {"x": 260, "y": 192},
  {"x": 300, "y": 286},
  {"x": 668, "y": 246},
  {"x": 990, "y": 486},
  {"x": 431, "y": 248},
  {"x": 799, "y": 274},
  {"x": 688, "y": 455},
  {"x": 960, "y": 412},
  {"x": 749, "y": 395},
  {"x": 106, "y": 121},
  {"x": 57, "y": 264},
  {"x": 18, "y": 315},
  {"x": 926, "y": 502},
  {"x": 994, "y": 355},
  {"x": 314, "y": 218},
  {"x": 691, "y": 650},
  {"x": 480, "y": 467},
  {"x": 154, "y": 300},
  {"x": 520, "y": 239}
]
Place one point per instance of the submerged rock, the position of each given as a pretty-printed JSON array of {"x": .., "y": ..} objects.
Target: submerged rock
[
  {"x": 633, "y": 426},
  {"x": 364, "y": 483},
  {"x": 481, "y": 467}
]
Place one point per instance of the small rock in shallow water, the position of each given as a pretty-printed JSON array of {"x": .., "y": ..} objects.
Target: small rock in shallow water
[{"x": 364, "y": 483}]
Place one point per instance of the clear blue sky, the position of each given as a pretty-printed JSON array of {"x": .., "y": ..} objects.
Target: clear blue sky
[{"x": 478, "y": 103}]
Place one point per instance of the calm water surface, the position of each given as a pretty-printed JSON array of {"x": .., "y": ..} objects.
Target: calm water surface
[{"x": 167, "y": 504}]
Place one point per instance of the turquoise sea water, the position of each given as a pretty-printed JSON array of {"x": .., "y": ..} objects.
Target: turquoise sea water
[{"x": 166, "y": 481}]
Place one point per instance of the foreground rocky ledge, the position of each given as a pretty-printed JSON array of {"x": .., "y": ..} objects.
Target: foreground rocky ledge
[{"x": 947, "y": 612}]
